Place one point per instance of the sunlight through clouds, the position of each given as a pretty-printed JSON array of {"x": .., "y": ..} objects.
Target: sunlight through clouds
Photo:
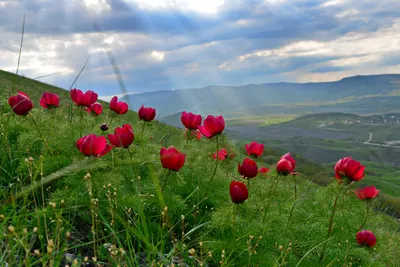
[
  {"x": 157, "y": 55},
  {"x": 165, "y": 44},
  {"x": 201, "y": 6},
  {"x": 97, "y": 6}
]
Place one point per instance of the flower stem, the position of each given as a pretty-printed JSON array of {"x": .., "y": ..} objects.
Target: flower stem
[
  {"x": 268, "y": 196},
  {"x": 366, "y": 215},
  {"x": 109, "y": 124},
  {"x": 165, "y": 180},
  {"x": 144, "y": 126},
  {"x": 134, "y": 169},
  {"x": 80, "y": 121},
  {"x": 216, "y": 162},
  {"x": 290, "y": 216},
  {"x": 295, "y": 187},
  {"x": 187, "y": 136},
  {"x": 330, "y": 228},
  {"x": 235, "y": 212},
  {"x": 40, "y": 132}
]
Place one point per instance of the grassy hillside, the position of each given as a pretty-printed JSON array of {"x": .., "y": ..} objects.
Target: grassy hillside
[{"x": 60, "y": 207}]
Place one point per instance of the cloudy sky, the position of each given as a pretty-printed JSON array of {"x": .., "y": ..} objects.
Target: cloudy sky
[{"x": 169, "y": 44}]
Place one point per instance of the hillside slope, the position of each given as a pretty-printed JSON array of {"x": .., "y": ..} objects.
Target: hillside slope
[
  {"x": 60, "y": 207},
  {"x": 359, "y": 94}
]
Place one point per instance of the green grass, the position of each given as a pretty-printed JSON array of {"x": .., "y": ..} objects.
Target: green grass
[
  {"x": 50, "y": 206},
  {"x": 259, "y": 120}
]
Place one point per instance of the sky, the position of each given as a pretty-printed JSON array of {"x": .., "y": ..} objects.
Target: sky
[{"x": 178, "y": 44}]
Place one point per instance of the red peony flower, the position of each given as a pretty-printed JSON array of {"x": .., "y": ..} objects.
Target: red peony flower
[
  {"x": 248, "y": 169},
  {"x": 122, "y": 137},
  {"x": 255, "y": 149},
  {"x": 118, "y": 107},
  {"x": 192, "y": 134},
  {"x": 95, "y": 109},
  {"x": 238, "y": 191},
  {"x": 92, "y": 145},
  {"x": 222, "y": 154},
  {"x": 349, "y": 168},
  {"x": 368, "y": 192},
  {"x": 284, "y": 167},
  {"x": 366, "y": 238},
  {"x": 191, "y": 121},
  {"x": 197, "y": 133},
  {"x": 212, "y": 126},
  {"x": 291, "y": 159},
  {"x": 49, "y": 100},
  {"x": 83, "y": 99},
  {"x": 146, "y": 114},
  {"x": 20, "y": 103},
  {"x": 172, "y": 159},
  {"x": 263, "y": 170}
]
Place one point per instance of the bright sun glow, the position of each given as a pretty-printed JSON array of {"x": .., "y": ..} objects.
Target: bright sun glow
[
  {"x": 97, "y": 6},
  {"x": 201, "y": 6}
]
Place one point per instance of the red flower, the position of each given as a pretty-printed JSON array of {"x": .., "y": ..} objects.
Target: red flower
[
  {"x": 197, "y": 133},
  {"x": 92, "y": 145},
  {"x": 366, "y": 238},
  {"x": 172, "y": 159},
  {"x": 222, "y": 154},
  {"x": 83, "y": 99},
  {"x": 146, "y": 114},
  {"x": 190, "y": 121},
  {"x": 239, "y": 192},
  {"x": 368, "y": 192},
  {"x": 95, "y": 109},
  {"x": 122, "y": 137},
  {"x": 20, "y": 103},
  {"x": 118, "y": 107},
  {"x": 248, "y": 169},
  {"x": 254, "y": 149},
  {"x": 49, "y": 100},
  {"x": 350, "y": 168},
  {"x": 192, "y": 134},
  {"x": 291, "y": 159},
  {"x": 263, "y": 170},
  {"x": 212, "y": 126},
  {"x": 284, "y": 167}
]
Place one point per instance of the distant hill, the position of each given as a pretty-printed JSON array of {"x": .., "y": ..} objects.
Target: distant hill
[{"x": 359, "y": 94}]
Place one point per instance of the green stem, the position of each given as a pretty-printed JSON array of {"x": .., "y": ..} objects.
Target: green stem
[
  {"x": 268, "y": 196},
  {"x": 216, "y": 162},
  {"x": 188, "y": 135},
  {"x": 40, "y": 132},
  {"x": 109, "y": 124},
  {"x": 165, "y": 180},
  {"x": 248, "y": 183},
  {"x": 133, "y": 168},
  {"x": 70, "y": 113},
  {"x": 330, "y": 228},
  {"x": 290, "y": 217},
  {"x": 295, "y": 188},
  {"x": 80, "y": 121},
  {"x": 144, "y": 126},
  {"x": 366, "y": 215},
  {"x": 235, "y": 212}
]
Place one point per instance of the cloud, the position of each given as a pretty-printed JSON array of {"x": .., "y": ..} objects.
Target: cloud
[{"x": 187, "y": 44}]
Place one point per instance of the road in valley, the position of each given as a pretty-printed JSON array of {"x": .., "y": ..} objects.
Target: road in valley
[{"x": 368, "y": 142}]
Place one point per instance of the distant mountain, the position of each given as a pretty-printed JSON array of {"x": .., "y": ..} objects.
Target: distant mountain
[{"x": 278, "y": 97}]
